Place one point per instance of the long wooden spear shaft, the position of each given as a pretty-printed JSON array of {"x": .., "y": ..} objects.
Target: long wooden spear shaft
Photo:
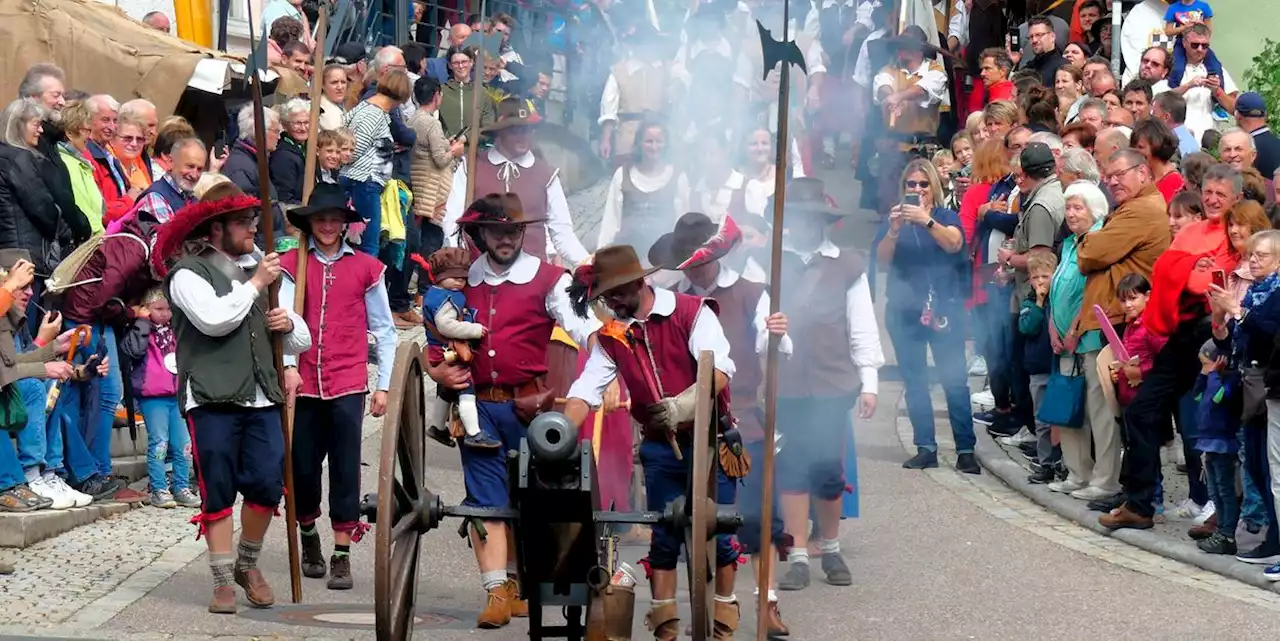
[
  {"x": 273, "y": 296},
  {"x": 782, "y": 146},
  {"x": 473, "y": 135},
  {"x": 317, "y": 86}
]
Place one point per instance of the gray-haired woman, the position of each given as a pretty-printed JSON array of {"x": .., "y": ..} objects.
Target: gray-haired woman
[
  {"x": 28, "y": 216},
  {"x": 288, "y": 161}
]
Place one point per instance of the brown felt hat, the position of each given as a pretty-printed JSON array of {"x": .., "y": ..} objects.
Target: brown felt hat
[{"x": 615, "y": 266}]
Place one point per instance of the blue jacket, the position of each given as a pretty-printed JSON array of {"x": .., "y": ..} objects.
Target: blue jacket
[
  {"x": 1033, "y": 327},
  {"x": 1218, "y": 412}
]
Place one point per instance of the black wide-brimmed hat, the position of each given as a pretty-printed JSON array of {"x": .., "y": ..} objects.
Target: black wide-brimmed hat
[
  {"x": 692, "y": 232},
  {"x": 325, "y": 198},
  {"x": 913, "y": 37}
]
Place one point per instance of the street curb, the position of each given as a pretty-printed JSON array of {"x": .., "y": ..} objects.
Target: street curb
[{"x": 993, "y": 459}]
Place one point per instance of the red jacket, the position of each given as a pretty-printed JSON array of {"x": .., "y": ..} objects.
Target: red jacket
[
  {"x": 112, "y": 181},
  {"x": 121, "y": 262}
]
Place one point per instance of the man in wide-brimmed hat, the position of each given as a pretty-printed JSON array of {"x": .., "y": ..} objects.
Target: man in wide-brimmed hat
[
  {"x": 911, "y": 89},
  {"x": 696, "y": 247},
  {"x": 345, "y": 300},
  {"x": 510, "y": 167},
  {"x": 520, "y": 300},
  {"x": 643, "y": 83},
  {"x": 227, "y": 381},
  {"x": 827, "y": 298},
  {"x": 653, "y": 346}
]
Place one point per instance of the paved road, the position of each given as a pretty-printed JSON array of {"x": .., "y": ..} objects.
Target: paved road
[{"x": 935, "y": 555}]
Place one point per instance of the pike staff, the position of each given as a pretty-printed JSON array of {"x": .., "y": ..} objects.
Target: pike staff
[
  {"x": 273, "y": 295},
  {"x": 783, "y": 51}
]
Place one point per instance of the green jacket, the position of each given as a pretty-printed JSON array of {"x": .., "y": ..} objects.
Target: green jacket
[
  {"x": 88, "y": 197},
  {"x": 455, "y": 108}
]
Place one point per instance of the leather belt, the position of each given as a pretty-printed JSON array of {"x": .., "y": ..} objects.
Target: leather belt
[{"x": 505, "y": 393}]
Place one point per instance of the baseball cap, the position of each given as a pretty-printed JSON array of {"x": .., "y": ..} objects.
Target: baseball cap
[
  {"x": 1251, "y": 105},
  {"x": 348, "y": 53},
  {"x": 1037, "y": 160}
]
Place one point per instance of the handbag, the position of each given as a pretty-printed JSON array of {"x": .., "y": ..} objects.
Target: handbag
[
  {"x": 13, "y": 412},
  {"x": 1062, "y": 404},
  {"x": 1253, "y": 393}
]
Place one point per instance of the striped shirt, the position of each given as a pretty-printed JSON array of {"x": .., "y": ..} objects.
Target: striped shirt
[{"x": 372, "y": 129}]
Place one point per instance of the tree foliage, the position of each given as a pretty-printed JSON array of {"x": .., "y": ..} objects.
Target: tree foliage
[{"x": 1263, "y": 77}]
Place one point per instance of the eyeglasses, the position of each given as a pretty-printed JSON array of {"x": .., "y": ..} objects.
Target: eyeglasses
[
  {"x": 916, "y": 184},
  {"x": 1115, "y": 176},
  {"x": 132, "y": 140},
  {"x": 299, "y": 123},
  {"x": 1153, "y": 63},
  {"x": 1198, "y": 45},
  {"x": 246, "y": 221}
]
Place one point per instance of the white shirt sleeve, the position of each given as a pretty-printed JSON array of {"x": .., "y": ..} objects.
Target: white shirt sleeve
[
  {"x": 560, "y": 225},
  {"x": 609, "y": 101},
  {"x": 864, "y": 335},
  {"x": 743, "y": 72},
  {"x": 795, "y": 162},
  {"x": 212, "y": 315},
  {"x": 598, "y": 372},
  {"x": 882, "y": 79},
  {"x": 813, "y": 59},
  {"x": 762, "y": 331},
  {"x": 682, "y": 193},
  {"x": 611, "y": 221},
  {"x": 454, "y": 205},
  {"x": 934, "y": 83},
  {"x": 559, "y": 307},
  {"x": 1228, "y": 85},
  {"x": 708, "y": 334},
  {"x": 864, "y": 13},
  {"x": 958, "y": 27}
]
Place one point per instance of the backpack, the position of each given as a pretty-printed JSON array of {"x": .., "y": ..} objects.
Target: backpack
[{"x": 64, "y": 275}]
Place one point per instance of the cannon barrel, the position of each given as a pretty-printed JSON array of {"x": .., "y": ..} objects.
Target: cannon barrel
[{"x": 553, "y": 438}]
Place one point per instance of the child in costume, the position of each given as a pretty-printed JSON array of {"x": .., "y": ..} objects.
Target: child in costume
[{"x": 450, "y": 325}]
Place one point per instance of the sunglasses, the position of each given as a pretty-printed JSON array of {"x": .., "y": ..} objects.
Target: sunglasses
[
  {"x": 916, "y": 184},
  {"x": 129, "y": 140},
  {"x": 1198, "y": 45}
]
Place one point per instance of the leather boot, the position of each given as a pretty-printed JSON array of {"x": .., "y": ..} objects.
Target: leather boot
[
  {"x": 664, "y": 622},
  {"x": 776, "y": 628},
  {"x": 519, "y": 607},
  {"x": 224, "y": 600},
  {"x": 313, "y": 566},
  {"x": 256, "y": 589},
  {"x": 725, "y": 620},
  {"x": 497, "y": 612}
]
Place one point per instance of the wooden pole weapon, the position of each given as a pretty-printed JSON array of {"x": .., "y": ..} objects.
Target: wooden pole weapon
[
  {"x": 273, "y": 295},
  {"x": 787, "y": 53},
  {"x": 473, "y": 133}
]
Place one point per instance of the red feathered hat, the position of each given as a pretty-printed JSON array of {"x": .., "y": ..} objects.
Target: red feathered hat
[{"x": 221, "y": 199}]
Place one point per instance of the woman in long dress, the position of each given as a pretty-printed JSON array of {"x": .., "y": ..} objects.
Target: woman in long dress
[{"x": 646, "y": 194}]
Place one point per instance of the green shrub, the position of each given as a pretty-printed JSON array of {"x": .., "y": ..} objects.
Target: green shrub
[{"x": 1263, "y": 77}]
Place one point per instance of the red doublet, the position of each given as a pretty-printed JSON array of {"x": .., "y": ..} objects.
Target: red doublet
[
  {"x": 337, "y": 363},
  {"x": 530, "y": 184},
  {"x": 666, "y": 338},
  {"x": 514, "y": 351}
]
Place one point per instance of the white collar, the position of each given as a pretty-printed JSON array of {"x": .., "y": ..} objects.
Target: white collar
[
  {"x": 521, "y": 272},
  {"x": 525, "y": 161},
  {"x": 919, "y": 71},
  {"x": 825, "y": 248},
  {"x": 724, "y": 279}
]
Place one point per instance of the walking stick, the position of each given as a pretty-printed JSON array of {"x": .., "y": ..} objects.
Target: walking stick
[
  {"x": 787, "y": 53},
  {"x": 273, "y": 295}
]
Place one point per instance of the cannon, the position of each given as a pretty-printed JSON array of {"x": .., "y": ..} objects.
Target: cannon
[{"x": 564, "y": 545}]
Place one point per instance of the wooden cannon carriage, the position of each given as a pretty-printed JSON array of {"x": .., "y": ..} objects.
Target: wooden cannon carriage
[{"x": 565, "y": 546}]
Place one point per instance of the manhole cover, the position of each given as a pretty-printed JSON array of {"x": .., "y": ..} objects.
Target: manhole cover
[{"x": 347, "y": 616}]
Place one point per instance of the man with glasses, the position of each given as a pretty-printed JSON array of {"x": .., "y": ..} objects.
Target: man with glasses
[
  {"x": 1210, "y": 96},
  {"x": 1132, "y": 238},
  {"x": 1046, "y": 58},
  {"x": 241, "y": 166},
  {"x": 1154, "y": 68}
]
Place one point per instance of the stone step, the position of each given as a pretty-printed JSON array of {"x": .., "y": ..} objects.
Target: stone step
[
  {"x": 26, "y": 529},
  {"x": 132, "y": 467},
  {"x": 121, "y": 443}
]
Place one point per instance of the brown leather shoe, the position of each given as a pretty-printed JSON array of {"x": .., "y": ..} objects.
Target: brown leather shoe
[
  {"x": 497, "y": 612},
  {"x": 255, "y": 588},
  {"x": 725, "y": 620},
  {"x": 224, "y": 600},
  {"x": 519, "y": 607},
  {"x": 126, "y": 495},
  {"x": 1123, "y": 517},
  {"x": 410, "y": 318},
  {"x": 664, "y": 622},
  {"x": 1204, "y": 530},
  {"x": 776, "y": 628}
]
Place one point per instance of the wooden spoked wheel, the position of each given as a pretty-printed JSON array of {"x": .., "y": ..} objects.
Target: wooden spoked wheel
[
  {"x": 700, "y": 504},
  {"x": 402, "y": 496}
]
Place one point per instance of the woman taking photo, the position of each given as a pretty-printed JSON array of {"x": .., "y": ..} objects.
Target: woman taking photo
[
  {"x": 922, "y": 246},
  {"x": 434, "y": 157},
  {"x": 370, "y": 168},
  {"x": 646, "y": 194},
  {"x": 333, "y": 94}
]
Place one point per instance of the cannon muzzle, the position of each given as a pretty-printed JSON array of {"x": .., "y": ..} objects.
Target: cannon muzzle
[{"x": 553, "y": 438}]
